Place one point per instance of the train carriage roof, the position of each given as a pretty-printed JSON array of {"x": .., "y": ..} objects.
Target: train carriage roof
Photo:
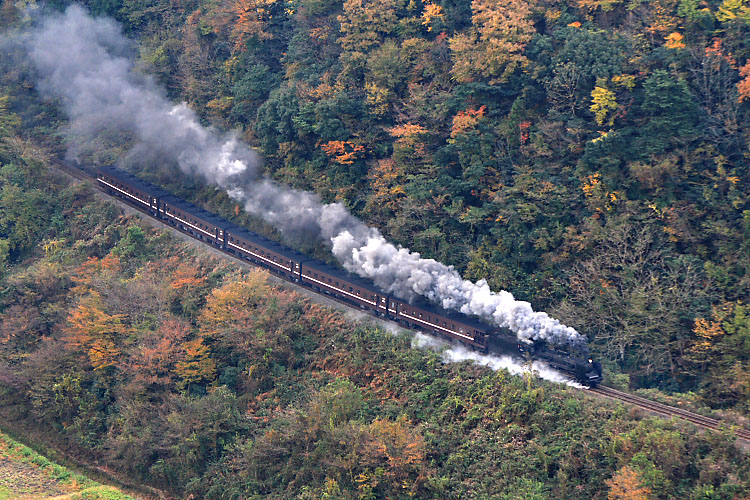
[
  {"x": 198, "y": 212},
  {"x": 134, "y": 181},
  {"x": 264, "y": 242},
  {"x": 162, "y": 194},
  {"x": 456, "y": 316},
  {"x": 336, "y": 272}
]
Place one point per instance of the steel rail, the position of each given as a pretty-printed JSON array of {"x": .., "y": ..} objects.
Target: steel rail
[{"x": 668, "y": 411}]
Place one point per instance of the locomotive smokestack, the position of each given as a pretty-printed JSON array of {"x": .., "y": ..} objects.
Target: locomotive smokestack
[{"x": 84, "y": 62}]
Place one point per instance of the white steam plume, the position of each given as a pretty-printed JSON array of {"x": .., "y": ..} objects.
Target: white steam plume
[{"x": 84, "y": 61}]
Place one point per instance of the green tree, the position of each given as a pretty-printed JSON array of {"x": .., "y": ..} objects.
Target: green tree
[
  {"x": 671, "y": 110},
  {"x": 251, "y": 91}
]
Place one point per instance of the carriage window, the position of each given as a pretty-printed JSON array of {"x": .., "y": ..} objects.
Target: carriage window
[
  {"x": 420, "y": 315},
  {"x": 337, "y": 283}
]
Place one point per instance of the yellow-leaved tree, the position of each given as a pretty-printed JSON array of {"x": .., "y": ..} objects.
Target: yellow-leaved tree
[
  {"x": 603, "y": 105},
  {"x": 493, "y": 47},
  {"x": 364, "y": 23}
]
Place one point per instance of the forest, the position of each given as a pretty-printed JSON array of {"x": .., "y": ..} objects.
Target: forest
[{"x": 590, "y": 156}]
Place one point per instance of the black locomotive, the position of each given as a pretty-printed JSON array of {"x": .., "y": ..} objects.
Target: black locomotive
[{"x": 324, "y": 279}]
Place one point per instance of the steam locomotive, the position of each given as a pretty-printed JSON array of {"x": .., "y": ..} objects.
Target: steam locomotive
[{"x": 331, "y": 281}]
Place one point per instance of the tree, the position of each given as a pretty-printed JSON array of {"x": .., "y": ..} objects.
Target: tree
[
  {"x": 23, "y": 217},
  {"x": 275, "y": 122},
  {"x": 133, "y": 245},
  {"x": 672, "y": 111},
  {"x": 467, "y": 120},
  {"x": 626, "y": 485},
  {"x": 588, "y": 55},
  {"x": 743, "y": 86},
  {"x": 562, "y": 88},
  {"x": 400, "y": 445},
  {"x": 232, "y": 306},
  {"x": 493, "y": 48},
  {"x": 98, "y": 334},
  {"x": 731, "y": 10},
  {"x": 251, "y": 91},
  {"x": 364, "y": 23},
  {"x": 197, "y": 365},
  {"x": 343, "y": 152},
  {"x": 603, "y": 103},
  {"x": 635, "y": 301},
  {"x": 251, "y": 18},
  {"x": 153, "y": 362}
]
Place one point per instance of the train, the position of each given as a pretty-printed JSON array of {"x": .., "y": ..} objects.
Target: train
[{"x": 331, "y": 281}]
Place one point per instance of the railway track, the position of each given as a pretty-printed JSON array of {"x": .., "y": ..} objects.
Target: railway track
[
  {"x": 667, "y": 411},
  {"x": 607, "y": 392}
]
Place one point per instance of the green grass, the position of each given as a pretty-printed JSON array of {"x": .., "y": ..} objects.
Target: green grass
[{"x": 27, "y": 472}]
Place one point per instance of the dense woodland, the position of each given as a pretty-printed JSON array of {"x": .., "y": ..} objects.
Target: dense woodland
[{"x": 591, "y": 157}]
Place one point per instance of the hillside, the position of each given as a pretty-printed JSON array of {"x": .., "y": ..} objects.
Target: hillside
[
  {"x": 589, "y": 156},
  {"x": 185, "y": 372}
]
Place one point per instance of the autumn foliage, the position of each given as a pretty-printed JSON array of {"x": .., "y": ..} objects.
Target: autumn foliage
[
  {"x": 626, "y": 485},
  {"x": 98, "y": 334},
  {"x": 590, "y": 156},
  {"x": 743, "y": 87},
  {"x": 467, "y": 120},
  {"x": 343, "y": 152},
  {"x": 250, "y": 18},
  {"x": 493, "y": 49}
]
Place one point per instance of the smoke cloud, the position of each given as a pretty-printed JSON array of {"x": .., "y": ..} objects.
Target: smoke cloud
[{"x": 84, "y": 61}]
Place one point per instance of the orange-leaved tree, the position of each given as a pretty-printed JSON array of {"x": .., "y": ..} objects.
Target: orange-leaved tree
[
  {"x": 197, "y": 365},
  {"x": 153, "y": 363},
  {"x": 401, "y": 446},
  {"x": 626, "y": 485},
  {"x": 251, "y": 20},
  {"x": 743, "y": 87},
  {"x": 343, "y": 152},
  {"x": 466, "y": 120},
  {"x": 98, "y": 334}
]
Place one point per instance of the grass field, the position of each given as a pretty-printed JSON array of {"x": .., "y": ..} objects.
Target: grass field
[{"x": 26, "y": 475}]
